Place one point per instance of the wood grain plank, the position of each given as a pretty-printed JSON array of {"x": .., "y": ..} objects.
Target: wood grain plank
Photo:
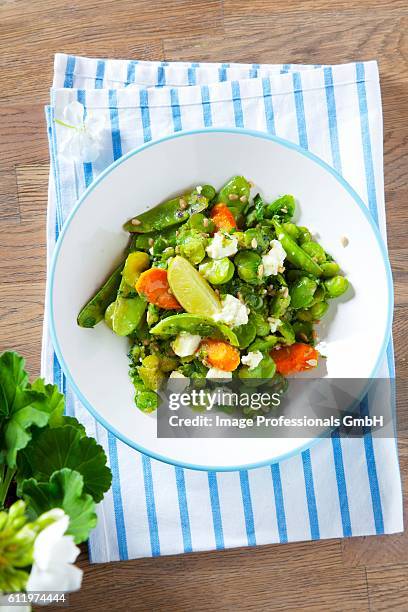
[
  {"x": 243, "y": 10},
  {"x": 242, "y": 579},
  {"x": 388, "y": 588},
  {"x": 32, "y": 186}
]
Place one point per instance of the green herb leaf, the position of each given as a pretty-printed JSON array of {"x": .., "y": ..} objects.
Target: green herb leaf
[
  {"x": 66, "y": 447},
  {"x": 22, "y": 405},
  {"x": 56, "y": 401},
  {"x": 64, "y": 490}
]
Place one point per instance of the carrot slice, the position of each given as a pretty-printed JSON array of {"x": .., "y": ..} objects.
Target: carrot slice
[
  {"x": 295, "y": 358},
  {"x": 220, "y": 354},
  {"x": 223, "y": 218},
  {"x": 153, "y": 285}
]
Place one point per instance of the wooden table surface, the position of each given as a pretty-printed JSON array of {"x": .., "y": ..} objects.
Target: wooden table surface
[{"x": 354, "y": 574}]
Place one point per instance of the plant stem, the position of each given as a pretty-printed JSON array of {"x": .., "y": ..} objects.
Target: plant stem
[{"x": 5, "y": 484}]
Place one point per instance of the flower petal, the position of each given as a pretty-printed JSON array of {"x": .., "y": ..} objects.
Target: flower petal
[
  {"x": 63, "y": 577},
  {"x": 94, "y": 123},
  {"x": 89, "y": 147},
  {"x": 74, "y": 113},
  {"x": 47, "y": 539}
]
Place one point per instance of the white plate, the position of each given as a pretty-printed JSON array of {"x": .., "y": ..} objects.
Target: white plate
[{"x": 95, "y": 360}]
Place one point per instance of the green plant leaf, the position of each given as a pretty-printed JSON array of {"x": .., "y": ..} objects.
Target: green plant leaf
[
  {"x": 66, "y": 447},
  {"x": 56, "y": 401},
  {"x": 13, "y": 377},
  {"x": 64, "y": 490},
  {"x": 22, "y": 406}
]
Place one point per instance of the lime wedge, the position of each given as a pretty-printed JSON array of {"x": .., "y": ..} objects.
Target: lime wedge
[{"x": 190, "y": 289}]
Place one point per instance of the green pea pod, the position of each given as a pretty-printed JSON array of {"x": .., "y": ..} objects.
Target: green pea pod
[
  {"x": 194, "y": 324},
  {"x": 302, "y": 292},
  {"x": 144, "y": 242},
  {"x": 94, "y": 310},
  {"x": 315, "y": 250},
  {"x": 295, "y": 254},
  {"x": 235, "y": 193},
  {"x": 129, "y": 310},
  {"x": 168, "y": 213},
  {"x": 283, "y": 207}
]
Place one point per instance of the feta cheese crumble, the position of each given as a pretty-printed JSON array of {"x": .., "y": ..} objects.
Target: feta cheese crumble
[
  {"x": 274, "y": 324},
  {"x": 222, "y": 246},
  {"x": 252, "y": 360},
  {"x": 216, "y": 373},
  {"x": 199, "y": 189},
  {"x": 184, "y": 381},
  {"x": 186, "y": 344},
  {"x": 233, "y": 313},
  {"x": 273, "y": 260}
]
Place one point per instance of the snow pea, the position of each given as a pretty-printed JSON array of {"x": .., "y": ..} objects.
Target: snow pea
[
  {"x": 194, "y": 324},
  {"x": 284, "y": 207},
  {"x": 336, "y": 286},
  {"x": 168, "y": 213},
  {"x": 291, "y": 229},
  {"x": 129, "y": 310},
  {"x": 247, "y": 263},
  {"x": 295, "y": 254},
  {"x": 217, "y": 271},
  {"x": 304, "y": 234},
  {"x": 144, "y": 242},
  {"x": 302, "y": 292},
  {"x": 315, "y": 250},
  {"x": 200, "y": 222},
  {"x": 94, "y": 310},
  {"x": 235, "y": 194}
]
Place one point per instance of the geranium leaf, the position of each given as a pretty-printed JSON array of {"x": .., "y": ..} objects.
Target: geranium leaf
[
  {"x": 66, "y": 447},
  {"x": 64, "y": 490},
  {"x": 56, "y": 401},
  {"x": 12, "y": 377}
]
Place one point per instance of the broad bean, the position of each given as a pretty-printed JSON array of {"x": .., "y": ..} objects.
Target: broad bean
[
  {"x": 247, "y": 264},
  {"x": 217, "y": 271},
  {"x": 336, "y": 286},
  {"x": 302, "y": 292}
]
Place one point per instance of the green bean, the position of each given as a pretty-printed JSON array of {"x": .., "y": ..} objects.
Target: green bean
[
  {"x": 336, "y": 286},
  {"x": 217, "y": 271},
  {"x": 168, "y": 213},
  {"x": 247, "y": 264},
  {"x": 302, "y": 292},
  {"x": 94, "y": 310},
  {"x": 194, "y": 324},
  {"x": 295, "y": 254},
  {"x": 330, "y": 268},
  {"x": 315, "y": 250}
]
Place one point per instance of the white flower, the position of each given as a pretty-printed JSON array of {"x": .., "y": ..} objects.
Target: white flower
[
  {"x": 273, "y": 260},
  {"x": 233, "y": 313},
  {"x": 54, "y": 555},
  {"x": 222, "y": 246},
  {"x": 81, "y": 136}
]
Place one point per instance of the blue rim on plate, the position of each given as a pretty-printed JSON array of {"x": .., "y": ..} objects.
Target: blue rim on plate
[{"x": 108, "y": 170}]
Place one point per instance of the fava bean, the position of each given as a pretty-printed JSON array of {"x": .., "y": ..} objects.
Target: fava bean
[
  {"x": 336, "y": 286},
  {"x": 246, "y": 333},
  {"x": 318, "y": 310},
  {"x": 330, "y": 268},
  {"x": 303, "y": 331},
  {"x": 247, "y": 264},
  {"x": 285, "y": 329},
  {"x": 192, "y": 246},
  {"x": 262, "y": 373},
  {"x": 302, "y": 292},
  {"x": 217, "y": 271}
]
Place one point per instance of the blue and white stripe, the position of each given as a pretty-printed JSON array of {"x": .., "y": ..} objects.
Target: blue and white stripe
[{"x": 337, "y": 488}]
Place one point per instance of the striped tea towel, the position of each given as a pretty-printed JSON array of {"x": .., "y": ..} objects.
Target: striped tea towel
[{"x": 340, "y": 487}]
